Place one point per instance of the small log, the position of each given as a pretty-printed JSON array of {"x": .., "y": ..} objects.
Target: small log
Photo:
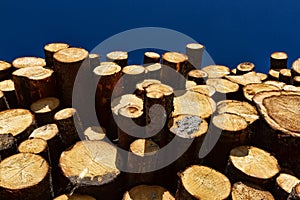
[
  {"x": 132, "y": 75},
  {"x": 24, "y": 62},
  {"x": 148, "y": 192},
  {"x": 141, "y": 158},
  {"x": 275, "y": 83},
  {"x": 141, "y": 87},
  {"x": 195, "y": 51},
  {"x": 280, "y": 128},
  {"x": 35, "y": 146},
  {"x": 225, "y": 88},
  {"x": 285, "y": 76},
  {"x": 74, "y": 197},
  {"x": 32, "y": 84},
  {"x": 118, "y": 57},
  {"x": 291, "y": 88},
  {"x": 284, "y": 185},
  {"x": 197, "y": 75},
  {"x": 296, "y": 81},
  {"x": 94, "y": 60},
  {"x": 242, "y": 191},
  {"x": 128, "y": 114},
  {"x": 190, "y": 84},
  {"x": 295, "y": 194},
  {"x": 107, "y": 76},
  {"x": 273, "y": 74},
  {"x": 3, "y": 103},
  {"x": 66, "y": 65},
  {"x": 90, "y": 168},
  {"x": 153, "y": 71},
  {"x": 94, "y": 133},
  {"x": 278, "y": 60},
  {"x": 252, "y": 89},
  {"x": 8, "y": 88},
  {"x": 45, "y": 109},
  {"x": 151, "y": 58},
  {"x": 250, "y": 77},
  {"x": 24, "y": 176},
  {"x": 204, "y": 89},
  {"x": 295, "y": 71},
  {"x": 19, "y": 122},
  {"x": 263, "y": 77},
  {"x": 50, "y": 49},
  {"x": 8, "y": 145},
  {"x": 200, "y": 182},
  {"x": 67, "y": 121},
  {"x": 251, "y": 164},
  {"x": 5, "y": 70},
  {"x": 216, "y": 71},
  {"x": 244, "y": 68}
]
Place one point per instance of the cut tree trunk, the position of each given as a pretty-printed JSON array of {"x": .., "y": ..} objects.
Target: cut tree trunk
[
  {"x": 25, "y": 176},
  {"x": 250, "y": 90},
  {"x": 284, "y": 185},
  {"x": 24, "y": 62},
  {"x": 90, "y": 167},
  {"x": 107, "y": 76},
  {"x": 32, "y": 84},
  {"x": 295, "y": 71},
  {"x": 45, "y": 109},
  {"x": 273, "y": 74},
  {"x": 50, "y": 49},
  {"x": 250, "y": 77},
  {"x": 225, "y": 89},
  {"x": 200, "y": 182},
  {"x": 8, "y": 88},
  {"x": 3, "y": 104},
  {"x": 198, "y": 76},
  {"x": 296, "y": 81},
  {"x": 142, "y": 160},
  {"x": 94, "y": 133},
  {"x": 244, "y": 68},
  {"x": 195, "y": 51},
  {"x": 142, "y": 192},
  {"x": 263, "y": 77},
  {"x": 66, "y": 65},
  {"x": 278, "y": 84},
  {"x": 280, "y": 128},
  {"x": 19, "y": 122},
  {"x": 278, "y": 60},
  {"x": 94, "y": 60},
  {"x": 151, "y": 58},
  {"x": 69, "y": 126},
  {"x": 295, "y": 194},
  {"x": 8, "y": 145},
  {"x": 251, "y": 164},
  {"x": 216, "y": 71},
  {"x": 285, "y": 76},
  {"x": 132, "y": 75},
  {"x": 141, "y": 87},
  {"x": 5, "y": 70},
  {"x": 118, "y": 57},
  {"x": 153, "y": 71},
  {"x": 243, "y": 191},
  {"x": 35, "y": 146}
]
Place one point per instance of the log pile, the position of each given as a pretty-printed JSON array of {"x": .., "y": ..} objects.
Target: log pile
[{"x": 233, "y": 133}]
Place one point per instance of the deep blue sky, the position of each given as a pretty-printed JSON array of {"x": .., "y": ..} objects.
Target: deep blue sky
[{"x": 232, "y": 30}]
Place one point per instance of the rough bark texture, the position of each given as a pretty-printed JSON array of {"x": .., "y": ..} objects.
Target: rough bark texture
[
  {"x": 143, "y": 192},
  {"x": 50, "y": 49},
  {"x": 8, "y": 89},
  {"x": 244, "y": 191},
  {"x": 296, "y": 81},
  {"x": 3, "y": 104},
  {"x": 278, "y": 60},
  {"x": 285, "y": 76},
  {"x": 118, "y": 57}
]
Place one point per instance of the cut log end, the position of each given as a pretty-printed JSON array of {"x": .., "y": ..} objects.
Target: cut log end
[
  {"x": 250, "y": 77},
  {"x": 286, "y": 182},
  {"x": 242, "y": 191},
  {"x": 216, "y": 71},
  {"x": 174, "y": 57},
  {"x": 34, "y": 146},
  {"x": 133, "y": 70},
  {"x": 45, "y": 105},
  {"x": 46, "y": 132},
  {"x": 251, "y": 89},
  {"x": 74, "y": 197},
  {"x": 223, "y": 86},
  {"x": 145, "y": 192},
  {"x": 4, "y": 65},
  {"x": 296, "y": 68},
  {"x": 143, "y": 147},
  {"x": 230, "y": 122},
  {"x": 244, "y": 68},
  {"x": 29, "y": 62},
  {"x": 7, "y": 85},
  {"x": 107, "y": 68},
  {"x": 64, "y": 114},
  {"x": 151, "y": 57},
  {"x": 94, "y": 133},
  {"x": 71, "y": 55}
]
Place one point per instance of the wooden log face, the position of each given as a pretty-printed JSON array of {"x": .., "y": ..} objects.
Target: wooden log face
[
  {"x": 216, "y": 71},
  {"x": 5, "y": 70},
  {"x": 94, "y": 133},
  {"x": 287, "y": 182},
  {"x": 296, "y": 68},
  {"x": 194, "y": 51},
  {"x": 245, "y": 79},
  {"x": 50, "y": 49},
  {"x": 242, "y": 191},
  {"x": 204, "y": 89},
  {"x": 223, "y": 86},
  {"x": 34, "y": 146},
  {"x": 251, "y": 89},
  {"x": 151, "y": 57},
  {"x": 28, "y": 62},
  {"x": 45, "y": 105},
  {"x": 244, "y": 68},
  {"x": 118, "y": 57},
  {"x": 273, "y": 74},
  {"x": 145, "y": 192}
]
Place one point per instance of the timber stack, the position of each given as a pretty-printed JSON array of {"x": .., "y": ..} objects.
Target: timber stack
[{"x": 168, "y": 128}]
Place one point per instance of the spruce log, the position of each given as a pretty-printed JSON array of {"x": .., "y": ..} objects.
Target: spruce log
[
  {"x": 24, "y": 62},
  {"x": 67, "y": 121},
  {"x": 295, "y": 194},
  {"x": 90, "y": 167},
  {"x": 244, "y": 191},
  {"x": 200, "y": 182},
  {"x": 145, "y": 192},
  {"x": 197, "y": 75},
  {"x": 5, "y": 70},
  {"x": 141, "y": 158},
  {"x": 251, "y": 164},
  {"x": 94, "y": 60},
  {"x": 216, "y": 71},
  {"x": 50, "y": 49},
  {"x": 195, "y": 51},
  {"x": 204, "y": 89},
  {"x": 141, "y": 87},
  {"x": 285, "y": 76},
  {"x": 19, "y": 122},
  {"x": 8, "y": 145},
  {"x": 252, "y": 89},
  {"x": 132, "y": 75},
  {"x": 35, "y": 146},
  {"x": 284, "y": 185},
  {"x": 3, "y": 103},
  {"x": 295, "y": 71},
  {"x": 66, "y": 65},
  {"x": 8, "y": 88},
  {"x": 107, "y": 74},
  {"x": 296, "y": 81},
  {"x": 153, "y": 71},
  {"x": 94, "y": 133},
  {"x": 151, "y": 58},
  {"x": 280, "y": 127},
  {"x": 250, "y": 77},
  {"x": 273, "y": 74},
  {"x": 74, "y": 197},
  {"x": 24, "y": 176},
  {"x": 128, "y": 114},
  {"x": 32, "y": 84},
  {"x": 44, "y": 110},
  {"x": 225, "y": 88},
  {"x": 278, "y": 60},
  {"x": 244, "y": 68},
  {"x": 118, "y": 57}
]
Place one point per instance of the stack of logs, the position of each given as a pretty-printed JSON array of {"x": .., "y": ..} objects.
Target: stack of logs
[{"x": 229, "y": 134}]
